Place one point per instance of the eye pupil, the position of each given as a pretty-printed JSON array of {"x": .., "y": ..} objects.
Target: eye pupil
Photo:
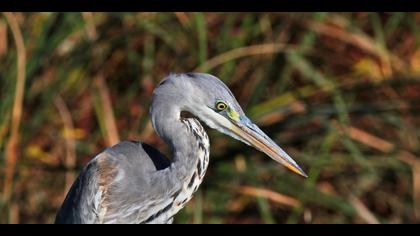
[{"x": 221, "y": 106}]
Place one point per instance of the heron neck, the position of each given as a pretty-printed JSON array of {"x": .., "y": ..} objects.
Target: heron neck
[{"x": 188, "y": 141}]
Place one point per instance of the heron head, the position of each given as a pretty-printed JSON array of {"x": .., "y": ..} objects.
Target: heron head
[{"x": 211, "y": 101}]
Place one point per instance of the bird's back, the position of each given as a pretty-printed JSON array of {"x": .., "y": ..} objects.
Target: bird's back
[{"x": 111, "y": 184}]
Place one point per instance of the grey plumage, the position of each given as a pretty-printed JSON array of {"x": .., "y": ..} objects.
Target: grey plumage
[{"x": 132, "y": 182}]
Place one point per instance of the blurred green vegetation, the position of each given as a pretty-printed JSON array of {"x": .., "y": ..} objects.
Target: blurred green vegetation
[{"x": 340, "y": 92}]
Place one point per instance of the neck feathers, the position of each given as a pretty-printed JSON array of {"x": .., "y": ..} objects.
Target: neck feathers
[
  {"x": 202, "y": 151},
  {"x": 188, "y": 167},
  {"x": 195, "y": 161}
]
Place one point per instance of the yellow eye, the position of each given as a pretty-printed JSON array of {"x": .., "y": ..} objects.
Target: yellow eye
[{"x": 221, "y": 106}]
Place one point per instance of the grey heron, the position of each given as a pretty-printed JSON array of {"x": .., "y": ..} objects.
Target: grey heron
[{"x": 133, "y": 182}]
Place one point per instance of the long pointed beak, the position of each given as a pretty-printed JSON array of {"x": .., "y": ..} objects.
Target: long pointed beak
[{"x": 254, "y": 136}]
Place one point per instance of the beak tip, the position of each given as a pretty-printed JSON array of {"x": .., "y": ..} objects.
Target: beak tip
[
  {"x": 303, "y": 174},
  {"x": 295, "y": 168}
]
